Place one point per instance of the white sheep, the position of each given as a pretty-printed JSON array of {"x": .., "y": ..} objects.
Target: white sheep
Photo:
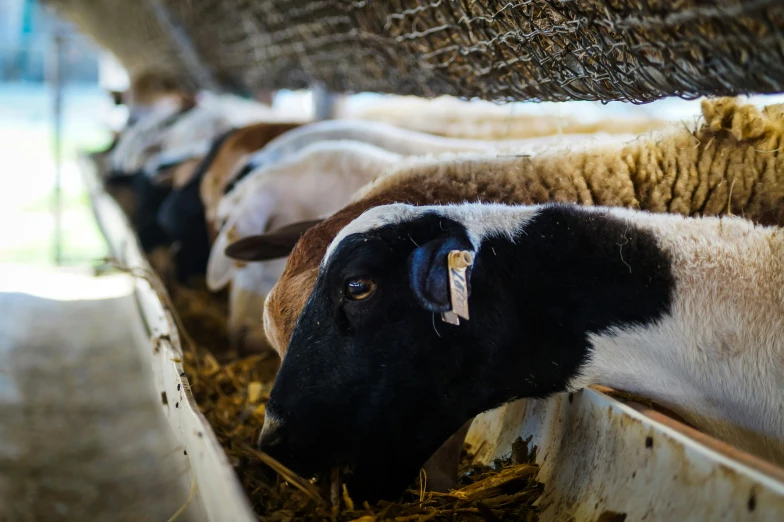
[
  {"x": 135, "y": 143},
  {"x": 394, "y": 139},
  {"x": 310, "y": 184},
  {"x": 173, "y": 133},
  {"x": 191, "y": 135}
]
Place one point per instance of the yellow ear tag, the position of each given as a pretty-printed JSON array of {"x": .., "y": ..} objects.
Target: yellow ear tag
[{"x": 458, "y": 261}]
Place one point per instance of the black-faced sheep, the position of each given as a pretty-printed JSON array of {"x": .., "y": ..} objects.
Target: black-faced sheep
[{"x": 686, "y": 311}]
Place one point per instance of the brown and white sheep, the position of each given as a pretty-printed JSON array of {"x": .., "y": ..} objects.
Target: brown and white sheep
[
  {"x": 731, "y": 164},
  {"x": 297, "y": 183},
  {"x": 229, "y": 159}
]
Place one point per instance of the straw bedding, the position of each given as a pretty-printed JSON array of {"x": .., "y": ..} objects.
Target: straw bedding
[{"x": 231, "y": 393}]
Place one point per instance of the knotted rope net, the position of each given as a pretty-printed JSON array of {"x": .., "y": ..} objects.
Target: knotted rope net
[{"x": 633, "y": 50}]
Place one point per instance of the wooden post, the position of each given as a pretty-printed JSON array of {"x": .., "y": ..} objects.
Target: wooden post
[{"x": 200, "y": 73}]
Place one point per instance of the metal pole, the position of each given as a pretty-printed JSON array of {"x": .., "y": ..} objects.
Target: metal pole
[
  {"x": 55, "y": 73},
  {"x": 323, "y": 102},
  {"x": 184, "y": 46}
]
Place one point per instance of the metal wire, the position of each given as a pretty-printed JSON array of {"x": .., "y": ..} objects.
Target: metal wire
[{"x": 633, "y": 50}]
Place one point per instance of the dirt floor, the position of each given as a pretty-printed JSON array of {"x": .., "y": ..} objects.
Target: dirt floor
[{"x": 81, "y": 437}]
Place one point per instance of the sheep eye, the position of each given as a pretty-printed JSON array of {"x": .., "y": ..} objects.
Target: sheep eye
[{"x": 360, "y": 289}]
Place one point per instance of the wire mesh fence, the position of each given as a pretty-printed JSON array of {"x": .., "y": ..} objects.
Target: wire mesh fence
[{"x": 633, "y": 50}]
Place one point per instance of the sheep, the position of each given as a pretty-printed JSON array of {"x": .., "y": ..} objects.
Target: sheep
[
  {"x": 151, "y": 165},
  {"x": 167, "y": 157},
  {"x": 180, "y": 216},
  {"x": 394, "y": 139},
  {"x": 731, "y": 164},
  {"x": 120, "y": 163},
  {"x": 150, "y": 90},
  {"x": 148, "y": 93},
  {"x": 140, "y": 196},
  {"x": 316, "y": 181},
  {"x": 383, "y": 135},
  {"x": 229, "y": 157},
  {"x": 247, "y": 214},
  {"x": 451, "y": 117},
  {"x": 137, "y": 143},
  {"x": 182, "y": 213},
  {"x": 174, "y": 132},
  {"x": 686, "y": 311},
  {"x": 191, "y": 135}
]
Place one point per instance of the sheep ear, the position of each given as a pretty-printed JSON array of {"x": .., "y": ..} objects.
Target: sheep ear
[
  {"x": 429, "y": 272},
  {"x": 252, "y": 213},
  {"x": 273, "y": 245}
]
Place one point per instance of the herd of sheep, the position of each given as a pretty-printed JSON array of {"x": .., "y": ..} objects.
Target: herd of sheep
[{"x": 638, "y": 256}]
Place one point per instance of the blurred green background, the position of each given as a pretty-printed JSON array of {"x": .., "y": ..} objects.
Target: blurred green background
[
  {"x": 27, "y": 222},
  {"x": 27, "y": 146}
]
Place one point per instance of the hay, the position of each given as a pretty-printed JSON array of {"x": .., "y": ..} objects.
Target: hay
[
  {"x": 232, "y": 392},
  {"x": 203, "y": 317}
]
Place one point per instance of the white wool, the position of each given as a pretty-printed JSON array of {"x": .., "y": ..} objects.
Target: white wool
[
  {"x": 128, "y": 156},
  {"x": 393, "y": 139},
  {"x": 189, "y": 137},
  {"x": 310, "y": 184},
  {"x": 156, "y": 141},
  {"x": 192, "y": 135}
]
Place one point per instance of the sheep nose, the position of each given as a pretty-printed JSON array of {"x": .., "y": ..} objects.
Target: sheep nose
[{"x": 272, "y": 434}]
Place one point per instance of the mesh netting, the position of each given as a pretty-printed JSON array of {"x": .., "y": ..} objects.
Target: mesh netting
[{"x": 634, "y": 50}]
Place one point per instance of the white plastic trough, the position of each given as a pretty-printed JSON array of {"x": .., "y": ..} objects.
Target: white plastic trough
[{"x": 600, "y": 459}]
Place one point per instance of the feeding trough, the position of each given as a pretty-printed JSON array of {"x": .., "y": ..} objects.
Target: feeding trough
[{"x": 601, "y": 458}]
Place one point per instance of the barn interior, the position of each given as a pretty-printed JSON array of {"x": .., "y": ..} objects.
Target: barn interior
[{"x": 146, "y": 142}]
